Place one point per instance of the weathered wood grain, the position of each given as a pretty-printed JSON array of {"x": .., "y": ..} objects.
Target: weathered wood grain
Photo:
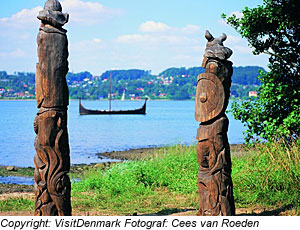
[
  {"x": 210, "y": 97},
  {"x": 52, "y": 159},
  {"x": 213, "y": 152}
]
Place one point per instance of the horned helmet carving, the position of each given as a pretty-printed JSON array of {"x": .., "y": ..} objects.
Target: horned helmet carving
[{"x": 215, "y": 47}]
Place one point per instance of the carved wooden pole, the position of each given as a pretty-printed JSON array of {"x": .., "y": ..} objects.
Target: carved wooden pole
[
  {"x": 213, "y": 152},
  {"x": 52, "y": 159}
]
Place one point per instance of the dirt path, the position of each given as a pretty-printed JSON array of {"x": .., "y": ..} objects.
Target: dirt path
[
  {"x": 239, "y": 212},
  {"x": 277, "y": 211}
]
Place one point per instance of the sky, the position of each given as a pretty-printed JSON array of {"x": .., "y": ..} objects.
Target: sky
[{"x": 125, "y": 34}]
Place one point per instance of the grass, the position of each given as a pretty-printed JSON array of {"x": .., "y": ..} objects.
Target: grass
[
  {"x": 16, "y": 204},
  {"x": 267, "y": 176},
  {"x": 142, "y": 186},
  {"x": 270, "y": 176}
]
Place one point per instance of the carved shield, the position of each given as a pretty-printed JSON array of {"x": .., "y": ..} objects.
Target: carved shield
[{"x": 210, "y": 97}]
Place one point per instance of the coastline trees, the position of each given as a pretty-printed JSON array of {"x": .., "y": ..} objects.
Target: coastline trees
[{"x": 274, "y": 29}]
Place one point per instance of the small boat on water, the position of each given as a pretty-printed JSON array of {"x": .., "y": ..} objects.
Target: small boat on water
[
  {"x": 84, "y": 111},
  {"x": 123, "y": 96}
]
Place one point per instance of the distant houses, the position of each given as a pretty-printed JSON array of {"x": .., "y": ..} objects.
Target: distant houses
[
  {"x": 173, "y": 83},
  {"x": 252, "y": 94}
]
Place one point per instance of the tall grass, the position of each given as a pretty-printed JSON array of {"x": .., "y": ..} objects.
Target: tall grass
[
  {"x": 174, "y": 167},
  {"x": 143, "y": 184},
  {"x": 270, "y": 176},
  {"x": 16, "y": 204}
]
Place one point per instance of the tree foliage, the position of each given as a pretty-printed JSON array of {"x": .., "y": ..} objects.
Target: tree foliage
[
  {"x": 242, "y": 75},
  {"x": 246, "y": 75},
  {"x": 272, "y": 28},
  {"x": 78, "y": 76},
  {"x": 131, "y": 74}
]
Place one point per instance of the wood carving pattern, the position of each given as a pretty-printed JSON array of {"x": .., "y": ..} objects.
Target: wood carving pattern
[
  {"x": 213, "y": 152},
  {"x": 52, "y": 159}
]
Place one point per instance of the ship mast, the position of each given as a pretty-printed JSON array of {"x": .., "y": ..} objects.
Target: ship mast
[{"x": 110, "y": 89}]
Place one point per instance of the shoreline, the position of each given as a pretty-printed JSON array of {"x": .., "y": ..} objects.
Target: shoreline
[
  {"x": 124, "y": 155},
  {"x": 73, "y": 99},
  {"x": 76, "y": 170},
  {"x": 143, "y": 153},
  {"x": 179, "y": 205}
]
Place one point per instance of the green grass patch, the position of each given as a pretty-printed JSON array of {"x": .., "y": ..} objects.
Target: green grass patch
[
  {"x": 141, "y": 186},
  {"x": 16, "y": 204},
  {"x": 269, "y": 176}
]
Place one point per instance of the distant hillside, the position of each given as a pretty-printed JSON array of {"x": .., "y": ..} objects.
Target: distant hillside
[
  {"x": 246, "y": 75},
  {"x": 241, "y": 75},
  {"x": 179, "y": 72},
  {"x": 131, "y": 74},
  {"x": 19, "y": 85},
  {"x": 172, "y": 83},
  {"x": 79, "y": 77}
]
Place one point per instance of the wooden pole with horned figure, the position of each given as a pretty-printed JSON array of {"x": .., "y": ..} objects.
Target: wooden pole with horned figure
[
  {"x": 213, "y": 152},
  {"x": 52, "y": 159}
]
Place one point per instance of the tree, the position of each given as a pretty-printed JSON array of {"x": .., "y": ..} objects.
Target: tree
[{"x": 274, "y": 29}]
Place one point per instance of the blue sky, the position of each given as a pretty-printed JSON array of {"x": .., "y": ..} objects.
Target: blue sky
[{"x": 124, "y": 34}]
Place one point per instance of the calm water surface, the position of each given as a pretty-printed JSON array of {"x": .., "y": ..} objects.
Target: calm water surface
[{"x": 166, "y": 123}]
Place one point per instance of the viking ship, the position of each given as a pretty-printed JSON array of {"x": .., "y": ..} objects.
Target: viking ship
[{"x": 84, "y": 111}]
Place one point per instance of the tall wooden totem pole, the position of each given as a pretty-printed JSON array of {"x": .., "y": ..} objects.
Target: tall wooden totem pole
[
  {"x": 52, "y": 159},
  {"x": 212, "y": 96}
]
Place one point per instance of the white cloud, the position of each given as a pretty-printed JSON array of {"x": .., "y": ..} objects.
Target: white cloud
[
  {"x": 237, "y": 44},
  {"x": 159, "y": 27},
  {"x": 132, "y": 38},
  {"x": 88, "y": 13},
  {"x": 231, "y": 39},
  {"x": 13, "y": 54},
  {"x": 22, "y": 20},
  {"x": 97, "y": 40},
  {"x": 242, "y": 49},
  {"x": 151, "y": 26},
  {"x": 19, "y": 31},
  {"x": 87, "y": 46},
  {"x": 160, "y": 33},
  {"x": 152, "y": 38},
  {"x": 153, "y": 45},
  {"x": 191, "y": 29},
  {"x": 159, "y": 43}
]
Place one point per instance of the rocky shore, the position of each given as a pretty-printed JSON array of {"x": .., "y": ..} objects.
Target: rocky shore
[{"x": 78, "y": 169}]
